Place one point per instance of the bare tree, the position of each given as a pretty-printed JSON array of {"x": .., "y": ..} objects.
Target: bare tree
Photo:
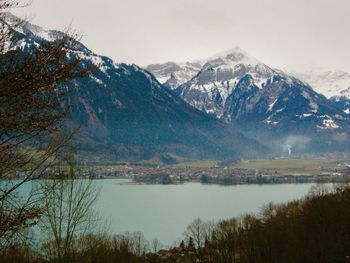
[
  {"x": 226, "y": 234},
  {"x": 156, "y": 245},
  {"x": 141, "y": 245},
  {"x": 199, "y": 232},
  {"x": 31, "y": 114},
  {"x": 67, "y": 213}
]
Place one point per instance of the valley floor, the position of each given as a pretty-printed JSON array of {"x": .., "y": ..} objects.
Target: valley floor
[{"x": 307, "y": 169}]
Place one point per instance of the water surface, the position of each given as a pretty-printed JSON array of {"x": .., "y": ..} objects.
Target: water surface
[{"x": 164, "y": 211}]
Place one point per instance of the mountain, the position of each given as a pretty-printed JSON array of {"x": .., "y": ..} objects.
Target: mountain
[
  {"x": 343, "y": 100},
  {"x": 173, "y": 74},
  {"x": 330, "y": 83},
  {"x": 284, "y": 106},
  {"x": 215, "y": 82},
  {"x": 125, "y": 112},
  {"x": 334, "y": 84},
  {"x": 264, "y": 102}
]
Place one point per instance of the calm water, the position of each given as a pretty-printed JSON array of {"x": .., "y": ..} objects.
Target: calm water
[{"x": 165, "y": 211}]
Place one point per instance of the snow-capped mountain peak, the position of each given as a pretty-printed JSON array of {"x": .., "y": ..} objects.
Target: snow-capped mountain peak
[
  {"x": 121, "y": 106},
  {"x": 237, "y": 87},
  {"x": 174, "y": 74},
  {"x": 28, "y": 35},
  {"x": 231, "y": 85},
  {"x": 233, "y": 56},
  {"x": 209, "y": 89},
  {"x": 29, "y": 29},
  {"x": 328, "y": 82}
]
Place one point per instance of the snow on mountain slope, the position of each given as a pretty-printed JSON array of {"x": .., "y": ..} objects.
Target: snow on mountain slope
[
  {"x": 345, "y": 93},
  {"x": 334, "y": 84},
  {"x": 126, "y": 105},
  {"x": 29, "y": 30},
  {"x": 210, "y": 88},
  {"x": 173, "y": 74},
  {"x": 330, "y": 83},
  {"x": 124, "y": 111},
  {"x": 27, "y": 34},
  {"x": 285, "y": 103},
  {"x": 238, "y": 88},
  {"x": 343, "y": 100}
]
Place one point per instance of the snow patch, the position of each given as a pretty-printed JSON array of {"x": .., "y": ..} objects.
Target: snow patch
[
  {"x": 312, "y": 104},
  {"x": 305, "y": 115},
  {"x": 272, "y": 104},
  {"x": 328, "y": 123},
  {"x": 98, "y": 81},
  {"x": 330, "y": 83},
  {"x": 268, "y": 121}
]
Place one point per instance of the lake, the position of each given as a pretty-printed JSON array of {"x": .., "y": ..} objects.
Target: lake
[{"x": 164, "y": 211}]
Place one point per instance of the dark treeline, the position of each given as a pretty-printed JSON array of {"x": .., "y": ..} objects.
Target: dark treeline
[{"x": 313, "y": 229}]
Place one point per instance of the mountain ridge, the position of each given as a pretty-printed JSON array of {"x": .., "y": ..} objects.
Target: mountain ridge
[
  {"x": 268, "y": 101},
  {"x": 328, "y": 82},
  {"x": 126, "y": 113}
]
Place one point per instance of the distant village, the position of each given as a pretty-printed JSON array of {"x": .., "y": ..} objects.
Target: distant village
[
  {"x": 158, "y": 174},
  {"x": 221, "y": 173}
]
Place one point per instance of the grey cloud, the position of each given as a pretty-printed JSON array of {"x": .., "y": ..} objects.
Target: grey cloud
[{"x": 278, "y": 32}]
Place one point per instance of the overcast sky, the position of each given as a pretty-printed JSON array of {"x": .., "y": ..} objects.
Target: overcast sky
[{"x": 277, "y": 32}]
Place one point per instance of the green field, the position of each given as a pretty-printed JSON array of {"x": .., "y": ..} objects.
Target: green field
[
  {"x": 293, "y": 166},
  {"x": 277, "y": 166}
]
